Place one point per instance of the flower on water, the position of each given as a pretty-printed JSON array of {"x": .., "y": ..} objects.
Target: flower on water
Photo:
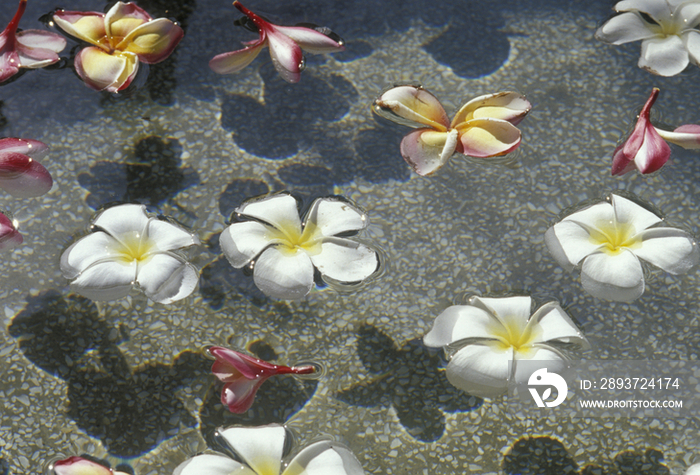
[
  {"x": 645, "y": 149},
  {"x": 608, "y": 239},
  {"x": 9, "y": 233},
  {"x": 29, "y": 49},
  {"x": 20, "y": 174},
  {"x": 243, "y": 375},
  {"x": 486, "y": 339},
  {"x": 129, "y": 248},
  {"x": 82, "y": 466},
  {"x": 285, "y": 253},
  {"x": 285, "y": 42},
  {"x": 260, "y": 451},
  {"x": 122, "y": 37},
  {"x": 667, "y": 28},
  {"x": 484, "y": 127}
]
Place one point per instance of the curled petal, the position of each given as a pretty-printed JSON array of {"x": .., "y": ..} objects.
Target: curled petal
[
  {"x": 23, "y": 177},
  {"x": 481, "y": 370},
  {"x": 556, "y": 325},
  {"x": 686, "y": 136},
  {"x": 229, "y": 63},
  {"x": 106, "y": 280},
  {"x": 286, "y": 55},
  {"x": 9, "y": 62},
  {"x": 123, "y": 18},
  {"x": 9, "y": 234},
  {"x": 241, "y": 242},
  {"x": 311, "y": 40},
  {"x": 211, "y": 464},
  {"x": 333, "y": 216},
  {"x": 154, "y": 41},
  {"x": 412, "y": 106},
  {"x": 617, "y": 277},
  {"x": 345, "y": 261},
  {"x": 460, "y": 322},
  {"x": 664, "y": 56},
  {"x": 239, "y": 395},
  {"x": 37, "y": 48},
  {"x": 488, "y": 137},
  {"x": 260, "y": 447},
  {"x": 80, "y": 466},
  {"x": 166, "y": 278},
  {"x": 673, "y": 250},
  {"x": 106, "y": 72},
  {"x": 282, "y": 275},
  {"x": 324, "y": 457},
  {"x": 427, "y": 150},
  {"x": 508, "y": 106},
  {"x": 625, "y": 28},
  {"x": 659, "y": 11},
  {"x": 86, "y": 26}
]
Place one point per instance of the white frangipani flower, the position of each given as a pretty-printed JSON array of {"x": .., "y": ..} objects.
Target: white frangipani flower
[
  {"x": 129, "y": 248},
  {"x": 486, "y": 339},
  {"x": 284, "y": 252},
  {"x": 608, "y": 239},
  {"x": 667, "y": 29},
  {"x": 260, "y": 451}
]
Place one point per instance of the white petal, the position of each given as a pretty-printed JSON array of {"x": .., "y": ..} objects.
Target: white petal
[
  {"x": 688, "y": 14},
  {"x": 625, "y": 28},
  {"x": 555, "y": 324},
  {"x": 282, "y": 275},
  {"x": 481, "y": 370},
  {"x": 673, "y": 250},
  {"x": 537, "y": 357},
  {"x": 278, "y": 210},
  {"x": 692, "y": 44},
  {"x": 168, "y": 236},
  {"x": 241, "y": 242},
  {"x": 106, "y": 280},
  {"x": 333, "y": 216},
  {"x": 569, "y": 242},
  {"x": 664, "y": 56},
  {"x": 166, "y": 277},
  {"x": 459, "y": 322},
  {"x": 311, "y": 40},
  {"x": 122, "y": 219},
  {"x": 212, "y": 464},
  {"x": 693, "y": 470},
  {"x": 345, "y": 261},
  {"x": 86, "y": 251},
  {"x": 627, "y": 211},
  {"x": 260, "y": 447},
  {"x": 617, "y": 277},
  {"x": 512, "y": 312},
  {"x": 659, "y": 10},
  {"x": 324, "y": 458}
]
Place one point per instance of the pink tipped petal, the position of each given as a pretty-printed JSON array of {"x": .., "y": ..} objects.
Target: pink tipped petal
[
  {"x": 653, "y": 153},
  {"x": 23, "y": 177},
  {"x": 38, "y": 48},
  {"x": 123, "y": 18},
  {"x": 79, "y": 466},
  {"x": 9, "y": 64},
  {"x": 618, "y": 277},
  {"x": 286, "y": 56},
  {"x": 32, "y": 148},
  {"x": 481, "y": 370},
  {"x": 9, "y": 235},
  {"x": 86, "y": 26},
  {"x": 664, "y": 56},
  {"x": 625, "y": 28},
  {"x": 241, "y": 242},
  {"x": 488, "y": 137},
  {"x": 102, "y": 71},
  {"x": 285, "y": 276},
  {"x": 671, "y": 249},
  {"x": 686, "y": 136},
  {"x": 229, "y": 63},
  {"x": 427, "y": 150},
  {"x": 311, "y": 40},
  {"x": 333, "y": 216},
  {"x": 238, "y": 396},
  {"x": 412, "y": 106},
  {"x": 508, "y": 106},
  {"x": 621, "y": 163},
  {"x": 154, "y": 41},
  {"x": 236, "y": 362},
  {"x": 166, "y": 277},
  {"x": 345, "y": 261}
]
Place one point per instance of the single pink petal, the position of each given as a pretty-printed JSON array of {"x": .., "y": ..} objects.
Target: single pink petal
[
  {"x": 37, "y": 48},
  {"x": 234, "y": 61},
  {"x": 9, "y": 234},
  {"x": 312, "y": 40},
  {"x": 427, "y": 150},
  {"x": 621, "y": 164},
  {"x": 32, "y": 148},
  {"x": 248, "y": 366},
  {"x": 9, "y": 59},
  {"x": 653, "y": 153},
  {"x": 686, "y": 136},
  {"x": 154, "y": 41},
  {"x": 23, "y": 177},
  {"x": 102, "y": 71},
  {"x": 286, "y": 55},
  {"x": 238, "y": 395},
  {"x": 86, "y": 26},
  {"x": 79, "y": 466}
]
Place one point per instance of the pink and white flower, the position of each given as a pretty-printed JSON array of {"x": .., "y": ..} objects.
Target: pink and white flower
[
  {"x": 29, "y": 49},
  {"x": 484, "y": 127},
  {"x": 286, "y": 44},
  {"x": 243, "y": 375},
  {"x": 82, "y": 466},
  {"x": 20, "y": 173},
  {"x": 120, "y": 39},
  {"x": 9, "y": 233}
]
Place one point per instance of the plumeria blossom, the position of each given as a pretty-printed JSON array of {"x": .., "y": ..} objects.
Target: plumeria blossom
[
  {"x": 646, "y": 148},
  {"x": 243, "y": 375},
  {"x": 20, "y": 174},
  {"x": 120, "y": 39},
  {"x": 129, "y": 248},
  {"x": 285, "y": 253},
  {"x": 82, "y": 466},
  {"x": 260, "y": 450},
  {"x": 286, "y": 44},
  {"x": 667, "y": 29},
  {"x": 486, "y": 339},
  {"x": 608, "y": 239},
  {"x": 9, "y": 233},
  {"x": 29, "y": 49},
  {"x": 484, "y": 127}
]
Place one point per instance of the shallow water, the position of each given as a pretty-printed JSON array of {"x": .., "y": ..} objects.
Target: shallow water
[{"x": 127, "y": 381}]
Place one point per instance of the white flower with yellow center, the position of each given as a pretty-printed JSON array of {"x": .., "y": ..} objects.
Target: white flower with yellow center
[
  {"x": 487, "y": 338},
  {"x": 283, "y": 252},
  {"x": 129, "y": 248},
  {"x": 260, "y": 451},
  {"x": 608, "y": 239}
]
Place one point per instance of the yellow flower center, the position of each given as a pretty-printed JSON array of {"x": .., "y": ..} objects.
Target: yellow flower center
[
  {"x": 134, "y": 248},
  {"x": 614, "y": 237},
  {"x": 510, "y": 334},
  {"x": 291, "y": 240}
]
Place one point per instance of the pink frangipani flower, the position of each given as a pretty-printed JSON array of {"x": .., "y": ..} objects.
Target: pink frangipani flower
[
  {"x": 286, "y": 44},
  {"x": 29, "y": 49},
  {"x": 9, "y": 235},
  {"x": 646, "y": 149},
  {"x": 120, "y": 38},
  {"x": 20, "y": 174},
  {"x": 243, "y": 375},
  {"x": 82, "y": 466}
]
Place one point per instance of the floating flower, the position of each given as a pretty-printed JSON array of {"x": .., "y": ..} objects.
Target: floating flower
[
  {"x": 260, "y": 451},
  {"x": 667, "y": 28},
  {"x": 645, "y": 148},
  {"x": 608, "y": 239},
  {"x": 82, "y": 466},
  {"x": 484, "y": 127},
  {"x": 128, "y": 247},
  {"x": 29, "y": 49},
  {"x": 487, "y": 338},
  {"x": 20, "y": 174},
  {"x": 9, "y": 234},
  {"x": 285, "y": 42},
  {"x": 121, "y": 38},
  {"x": 284, "y": 253},
  {"x": 243, "y": 375}
]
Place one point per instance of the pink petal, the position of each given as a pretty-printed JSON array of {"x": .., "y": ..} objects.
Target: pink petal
[
  {"x": 102, "y": 71},
  {"x": 38, "y": 48},
  {"x": 286, "y": 56},
  {"x": 621, "y": 164},
  {"x": 487, "y": 137},
  {"x": 9, "y": 235},
  {"x": 79, "y": 466},
  {"x": 154, "y": 41},
  {"x": 427, "y": 150},
  {"x": 229, "y": 63},
  {"x": 32, "y": 148},
  {"x": 238, "y": 396},
  {"x": 248, "y": 366},
  {"x": 686, "y": 136},
  {"x": 311, "y": 40},
  {"x": 23, "y": 177}
]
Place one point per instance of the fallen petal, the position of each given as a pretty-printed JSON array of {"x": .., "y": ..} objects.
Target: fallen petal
[
  {"x": 569, "y": 242},
  {"x": 427, "y": 150},
  {"x": 123, "y": 18},
  {"x": 686, "y": 136},
  {"x": 9, "y": 234},
  {"x": 617, "y": 277},
  {"x": 37, "y": 48},
  {"x": 627, "y": 211},
  {"x": 229, "y": 63},
  {"x": 123, "y": 220},
  {"x": 488, "y": 137},
  {"x": 412, "y": 106}
]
